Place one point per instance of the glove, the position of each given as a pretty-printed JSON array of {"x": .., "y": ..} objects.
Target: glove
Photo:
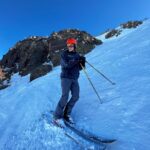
[{"x": 82, "y": 61}]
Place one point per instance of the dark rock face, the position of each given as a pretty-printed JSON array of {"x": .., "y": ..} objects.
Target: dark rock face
[
  {"x": 2, "y": 74},
  {"x": 117, "y": 32},
  {"x": 28, "y": 55},
  {"x": 2, "y": 86},
  {"x": 112, "y": 33},
  {"x": 25, "y": 55},
  {"x": 40, "y": 71},
  {"x": 2, "y": 78},
  {"x": 86, "y": 42},
  {"x": 131, "y": 24},
  {"x": 5, "y": 75}
]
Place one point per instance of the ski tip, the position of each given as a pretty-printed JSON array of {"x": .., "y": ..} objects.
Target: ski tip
[{"x": 109, "y": 141}]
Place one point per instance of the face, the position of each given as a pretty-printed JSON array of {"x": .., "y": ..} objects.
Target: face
[{"x": 70, "y": 47}]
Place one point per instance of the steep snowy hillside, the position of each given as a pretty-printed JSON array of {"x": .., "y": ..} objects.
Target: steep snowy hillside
[{"x": 124, "y": 114}]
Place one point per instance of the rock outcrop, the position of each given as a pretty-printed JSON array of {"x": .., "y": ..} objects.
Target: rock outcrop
[
  {"x": 38, "y": 55},
  {"x": 131, "y": 24},
  {"x": 117, "y": 32}
]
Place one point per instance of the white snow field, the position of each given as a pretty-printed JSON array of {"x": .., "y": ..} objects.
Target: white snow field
[{"x": 123, "y": 115}]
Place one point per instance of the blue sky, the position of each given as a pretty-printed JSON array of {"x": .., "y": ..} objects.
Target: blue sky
[{"x": 22, "y": 18}]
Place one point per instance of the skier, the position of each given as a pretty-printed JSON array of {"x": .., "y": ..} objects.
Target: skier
[{"x": 70, "y": 66}]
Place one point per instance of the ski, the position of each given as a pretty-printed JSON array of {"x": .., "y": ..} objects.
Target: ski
[
  {"x": 50, "y": 121},
  {"x": 87, "y": 135}
]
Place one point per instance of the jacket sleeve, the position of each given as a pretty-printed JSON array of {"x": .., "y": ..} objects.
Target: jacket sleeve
[{"x": 67, "y": 64}]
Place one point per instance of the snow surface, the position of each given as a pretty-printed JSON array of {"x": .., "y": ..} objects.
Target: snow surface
[{"x": 124, "y": 114}]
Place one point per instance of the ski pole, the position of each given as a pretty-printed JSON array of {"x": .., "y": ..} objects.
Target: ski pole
[
  {"x": 91, "y": 83},
  {"x": 101, "y": 73}
]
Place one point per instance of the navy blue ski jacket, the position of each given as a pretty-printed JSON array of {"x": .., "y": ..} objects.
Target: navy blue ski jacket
[{"x": 70, "y": 66}]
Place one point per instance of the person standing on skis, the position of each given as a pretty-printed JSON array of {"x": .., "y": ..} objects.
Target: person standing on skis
[{"x": 71, "y": 63}]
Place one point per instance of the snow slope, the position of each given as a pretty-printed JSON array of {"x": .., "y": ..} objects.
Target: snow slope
[{"x": 124, "y": 114}]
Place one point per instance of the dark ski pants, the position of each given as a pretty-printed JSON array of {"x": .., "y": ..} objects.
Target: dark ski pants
[{"x": 64, "y": 107}]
